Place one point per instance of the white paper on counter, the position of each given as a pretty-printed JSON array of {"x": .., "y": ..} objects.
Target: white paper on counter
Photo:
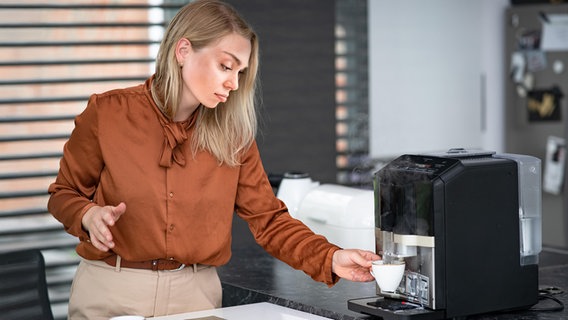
[{"x": 254, "y": 311}]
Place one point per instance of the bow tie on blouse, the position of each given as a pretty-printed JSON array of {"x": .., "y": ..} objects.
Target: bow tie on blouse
[{"x": 175, "y": 134}]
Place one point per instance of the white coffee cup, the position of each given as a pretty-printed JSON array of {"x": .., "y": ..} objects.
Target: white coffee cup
[
  {"x": 388, "y": 276},
  {"x": 127, "y": 318}
]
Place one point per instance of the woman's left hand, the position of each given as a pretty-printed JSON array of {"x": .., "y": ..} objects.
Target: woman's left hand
[{"x": 354, "y": 264}]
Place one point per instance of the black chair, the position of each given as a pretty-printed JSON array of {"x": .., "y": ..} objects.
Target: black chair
[{"x": 23, "y": 288}]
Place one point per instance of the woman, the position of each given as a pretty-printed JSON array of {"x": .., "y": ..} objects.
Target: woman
[{"x": 152, "y": 174}]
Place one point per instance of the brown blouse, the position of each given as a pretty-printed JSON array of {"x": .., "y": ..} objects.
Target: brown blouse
[{"x": 123, "y": 149}]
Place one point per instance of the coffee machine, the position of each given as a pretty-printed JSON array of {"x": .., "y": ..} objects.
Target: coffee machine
[{"x": 467, "y": 225}]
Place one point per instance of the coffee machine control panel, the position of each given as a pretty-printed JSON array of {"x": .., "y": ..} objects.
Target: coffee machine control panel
[{"x": 432, "y": 166}]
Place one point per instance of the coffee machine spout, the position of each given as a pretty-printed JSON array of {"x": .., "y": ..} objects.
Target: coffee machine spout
[{"x": 400, "y": 246}]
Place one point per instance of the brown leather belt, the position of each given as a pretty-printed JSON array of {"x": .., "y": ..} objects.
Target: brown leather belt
[{"x": 155, "y": 265}]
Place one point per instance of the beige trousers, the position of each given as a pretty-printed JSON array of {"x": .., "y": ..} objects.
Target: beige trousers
[{"x": 100, "y": 291}]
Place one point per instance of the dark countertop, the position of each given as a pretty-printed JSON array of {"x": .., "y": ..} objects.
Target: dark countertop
[{"x": 254, "y": 276}]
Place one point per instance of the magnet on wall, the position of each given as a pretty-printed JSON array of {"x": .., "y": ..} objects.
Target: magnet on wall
[
  {"x": 558, "y": 66},
  {"x": 544, "y": 104},
  {"x": 536, "y": 60},
  {"x": 515, "y": 20},
  {"x": 555, "y": 160},
  {"x": 526, "y": 85},
  {"x": 528, "y": 39},
  {"x": 518, "y": 66}
]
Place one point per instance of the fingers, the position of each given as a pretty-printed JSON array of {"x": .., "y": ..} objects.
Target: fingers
[
  {"x": 100, "y": 234},
  {"x": 103, "y": 232},
  {"x": 366, "y": 258},
  {"x": 112, "y": 215},
  {"x": 361, "y": 275},
  {"x": 362, "y": 258},
  {"x": 98, "y": 244},
  {"x": 369, "y": 256},
  {"x": 118, "y": 211},
  {"x": 97, "y": 221},
  {"x": 354, "y": 264}
]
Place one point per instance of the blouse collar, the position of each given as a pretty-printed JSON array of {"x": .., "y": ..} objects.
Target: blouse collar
[{"x": 175, "y": 133}]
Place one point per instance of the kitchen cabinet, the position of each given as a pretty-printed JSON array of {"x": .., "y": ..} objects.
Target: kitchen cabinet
[{"x": 431, "y": 75}]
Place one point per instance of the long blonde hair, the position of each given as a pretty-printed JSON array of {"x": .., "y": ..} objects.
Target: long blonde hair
[{"x": 230, "y": 128}]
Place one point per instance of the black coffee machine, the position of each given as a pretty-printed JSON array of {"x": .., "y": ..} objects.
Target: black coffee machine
[{"x": 467, "y": 225}]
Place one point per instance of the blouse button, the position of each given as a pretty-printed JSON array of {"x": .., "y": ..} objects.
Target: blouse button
[
  {"x": 171, "y": 194},
  {"x": 171, "y": 227}
]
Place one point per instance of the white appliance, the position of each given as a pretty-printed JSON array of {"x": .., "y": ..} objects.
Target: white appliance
[{"x": 344, "y": 215}]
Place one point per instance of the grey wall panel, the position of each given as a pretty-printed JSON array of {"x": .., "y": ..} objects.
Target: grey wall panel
[{"x": 297, "y": 83}]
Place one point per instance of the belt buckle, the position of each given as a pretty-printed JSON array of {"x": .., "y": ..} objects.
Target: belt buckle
[{"x": 178, "y": 268}]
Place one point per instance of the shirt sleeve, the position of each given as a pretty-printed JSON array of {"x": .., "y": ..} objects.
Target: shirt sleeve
[
  {"x": 282, "y": 236},
  {"x": 79, "y": 172}
]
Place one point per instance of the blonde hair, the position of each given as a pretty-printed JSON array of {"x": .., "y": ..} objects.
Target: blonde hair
[{"x": 229, "y": 129}]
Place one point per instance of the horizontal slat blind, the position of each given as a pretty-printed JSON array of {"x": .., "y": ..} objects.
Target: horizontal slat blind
[
  {"x": 352, "y": 96},
  {"x": 53, "y": 55}
]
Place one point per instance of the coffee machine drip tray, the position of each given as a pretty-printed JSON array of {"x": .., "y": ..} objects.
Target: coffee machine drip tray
[{"x": 393, "y": 309}]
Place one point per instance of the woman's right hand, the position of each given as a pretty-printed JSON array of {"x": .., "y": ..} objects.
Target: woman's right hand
[{"x": 97, "y": 221}]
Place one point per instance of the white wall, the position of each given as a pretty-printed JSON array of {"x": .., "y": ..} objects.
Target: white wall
[
  {"x": 436, "y": 75},
  {"x": 495, "y": 65}
]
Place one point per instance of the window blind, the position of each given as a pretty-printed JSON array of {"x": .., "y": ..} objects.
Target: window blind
[
  {"x": 352, "y": 96},
  {"x": 53, "y": 55}
]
